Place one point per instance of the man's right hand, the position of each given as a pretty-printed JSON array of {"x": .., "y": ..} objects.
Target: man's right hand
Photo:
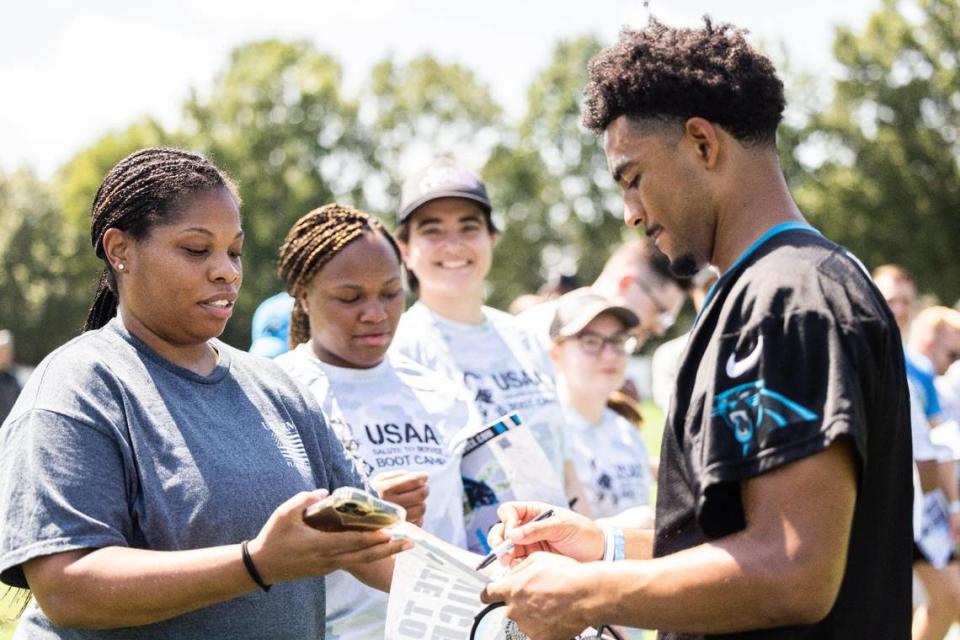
[{"x": 565, "y": 532}]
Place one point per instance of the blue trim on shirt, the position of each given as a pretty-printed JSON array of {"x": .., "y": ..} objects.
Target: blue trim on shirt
[
  {"x": 770, "y": 233},
  {"x": 924, "y": 377}
]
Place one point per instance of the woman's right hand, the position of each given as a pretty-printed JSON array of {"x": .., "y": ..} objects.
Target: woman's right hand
[
  {"x": 288, "y": 549},
  {"x": 406, "y": 488},
  {"x": 565, "y": 532}
]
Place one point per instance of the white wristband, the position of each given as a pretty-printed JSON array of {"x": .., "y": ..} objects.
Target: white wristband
[
  {"x": 613, "y": 544},
  {"x": 954, "y": 507}
]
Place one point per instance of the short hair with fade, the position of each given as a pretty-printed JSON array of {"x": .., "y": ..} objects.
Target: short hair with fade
[
  {"x": 673, "y": 74},
  {"x": 641, "y": 253}
]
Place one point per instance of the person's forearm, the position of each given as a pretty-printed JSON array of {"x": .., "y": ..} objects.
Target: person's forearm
[
  {"x": 637, "y": 527},
  {"x": 948, "y": 480},
  {"x": 638, "y": 544},
  {"x": 723, "y": 591},
  {"x": 122, "y": 587},
  {"x": 378, "y": 575}
]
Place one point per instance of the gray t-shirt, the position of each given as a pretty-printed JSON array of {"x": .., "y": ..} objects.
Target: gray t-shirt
[{"x": 111, "y": 445}]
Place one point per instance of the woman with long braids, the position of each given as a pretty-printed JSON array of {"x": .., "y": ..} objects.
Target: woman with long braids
[
  {"x": 344, "y": 270},
  {"x": 152, "y": 478}
]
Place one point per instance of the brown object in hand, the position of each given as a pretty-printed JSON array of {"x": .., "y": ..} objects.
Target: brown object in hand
[{"x": 350, "y": 509}]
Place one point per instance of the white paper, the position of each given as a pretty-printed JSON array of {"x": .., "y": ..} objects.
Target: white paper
[
  {"x": 502, "y": 462},
  {"x": 435, "y": 591}
]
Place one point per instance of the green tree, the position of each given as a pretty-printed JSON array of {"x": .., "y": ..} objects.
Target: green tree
[
  {"x": 47, "y": 270},
  {"x": 562, "y": 209},
  {"x": 515, "y": 179},
  {"x": 884, "y": 157},
  {"x": 77, "y": 181},
  {"x": 420, "y": 110},
  {"x": 277, "y": 121}
]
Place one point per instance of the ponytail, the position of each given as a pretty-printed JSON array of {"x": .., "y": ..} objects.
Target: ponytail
[
  {"x": 299, "y": 325},
  {"x": 104, "y": 305}
]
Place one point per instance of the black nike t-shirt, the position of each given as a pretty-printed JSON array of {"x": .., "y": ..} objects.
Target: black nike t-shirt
[{"x": 795, "y": 348}]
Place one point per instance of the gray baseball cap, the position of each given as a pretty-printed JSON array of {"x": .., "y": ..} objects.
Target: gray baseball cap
[
  {"x": 443, "y": 178},
  {"x": 577, "y": 309}
]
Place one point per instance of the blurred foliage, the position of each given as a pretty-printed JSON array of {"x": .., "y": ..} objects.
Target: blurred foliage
[
  {"x": 552, "y": 186},
  {"x": 77, "y": 181},
  {"x": 871, "y": 156},
  {"x": 47, "y": 270},
  {"x": 417, "y": 111},
  {"x": 277, "y": 121},
  {"x": 888, "y": 182}
]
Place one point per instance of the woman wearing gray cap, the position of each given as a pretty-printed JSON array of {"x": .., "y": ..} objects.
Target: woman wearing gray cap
[
  {"x": 446, "y": 235},
  {"x": 591, "y": 341}
]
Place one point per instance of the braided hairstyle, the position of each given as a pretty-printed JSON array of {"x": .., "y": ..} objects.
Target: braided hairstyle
[
  {"x": 311, "y": 243},
  {"x": 143, "y": 190}
]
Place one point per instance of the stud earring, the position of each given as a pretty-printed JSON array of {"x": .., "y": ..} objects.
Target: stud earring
[{"x": 120, "y": 267}]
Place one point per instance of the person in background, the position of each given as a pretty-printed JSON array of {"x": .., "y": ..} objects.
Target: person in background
[
  {"x": 591, "y": 339},
  {"x": 666, "y": 359},
  {"x": 936, "y": 487},
  {"x": 635, "y": 276},
  {"x": 446, "y": 235},
  {"x": 343, "y": 270},
  {"x": 899, "y": 289},
  {"x": 270, "y": 328},
  {"x": 10, "y": 384},
  {"x": 152, "y": 478},
  {"x": 934, "y": 344}
]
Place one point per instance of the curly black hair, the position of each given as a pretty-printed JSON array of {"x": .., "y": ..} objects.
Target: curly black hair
[
  {"x": 312, "y": 242},
  {"x": 668, "y": 73}
]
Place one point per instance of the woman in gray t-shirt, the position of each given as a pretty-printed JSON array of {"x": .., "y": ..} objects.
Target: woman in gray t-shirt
[{"x": 146, "y": 471}]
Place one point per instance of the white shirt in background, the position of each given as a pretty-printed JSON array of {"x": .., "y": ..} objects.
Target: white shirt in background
[
  {"x": 663, "y": 370},
  {"x": 396, "y": 415},
  {"x": 612, "y": 463},
  {"x": 501, "y": 365}
]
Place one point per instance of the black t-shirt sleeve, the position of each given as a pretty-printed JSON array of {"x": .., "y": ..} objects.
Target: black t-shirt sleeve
[{"x": 784, "y": 388}]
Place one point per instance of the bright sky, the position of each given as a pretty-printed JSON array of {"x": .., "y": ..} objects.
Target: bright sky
[{"x": 71, "y": 71}]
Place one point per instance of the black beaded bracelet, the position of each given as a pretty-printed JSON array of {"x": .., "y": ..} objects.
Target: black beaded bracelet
[{"x": 251, "y": 568}]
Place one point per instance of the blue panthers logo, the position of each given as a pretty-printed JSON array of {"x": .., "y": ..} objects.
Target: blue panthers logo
[
  {"x": 750, "y": 408},
  {"x": 479, "y": 493}
]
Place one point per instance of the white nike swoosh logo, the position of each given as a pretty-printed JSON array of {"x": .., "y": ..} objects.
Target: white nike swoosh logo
[{"x": 736, "y": 368}]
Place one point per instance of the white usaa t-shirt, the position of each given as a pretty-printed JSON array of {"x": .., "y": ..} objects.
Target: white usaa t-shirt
[
  {"x": 396, "y": 415},
  {"x": 612, "y": 463},
  {"x": 500, "y": 363}
]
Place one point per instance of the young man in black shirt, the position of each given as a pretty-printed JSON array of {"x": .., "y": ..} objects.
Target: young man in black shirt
[{"x": 784, "y": 500}]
